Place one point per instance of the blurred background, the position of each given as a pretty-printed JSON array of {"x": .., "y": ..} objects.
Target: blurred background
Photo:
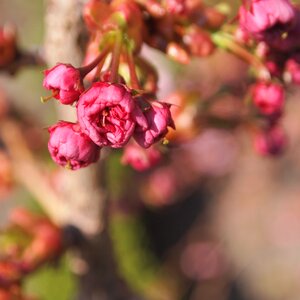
[{"x": 214, "y": 221}]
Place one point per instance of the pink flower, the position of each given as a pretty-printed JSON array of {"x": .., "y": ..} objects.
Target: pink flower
[
  {"x": 271, "y": 141},
  {"x": 268, "y": 98},
  {"x": 65, "y": 82},
  {"x": 257, "y": 16},
  {"x": 284, "y": 38},
  {"x": 292, "y": 69},
  {"x": 140, "y": 159},
  {"x": 108, "y": 114},
  {"x": 70, "y": 147},
  {"x": 158, "y": 118}
]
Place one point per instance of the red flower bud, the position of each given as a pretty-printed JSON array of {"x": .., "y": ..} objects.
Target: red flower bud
[
  {"x": 268, "y": 98},
  {"x": 292, "y": 69},
  {"x": 65, "y": 82},
  {"x": 158, "y": 118},
  {"x": 8, "y": 48},
  {"x": 70, "y": 147},
  {"x": 140, "y": 159},
  {"x": 271, "y": 141},
  {"x": 198, "y": 41}
]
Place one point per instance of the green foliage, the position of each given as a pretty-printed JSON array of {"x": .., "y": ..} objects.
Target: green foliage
[
  {"x": 135, "y": 260},
  {"x": 52, "y": 283}
]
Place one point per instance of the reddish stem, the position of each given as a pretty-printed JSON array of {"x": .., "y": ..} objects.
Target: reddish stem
[
  {"x": 115, "y": 61},
  {"x": 88, "y": 68},
  {"x": 132, "y": 71}
]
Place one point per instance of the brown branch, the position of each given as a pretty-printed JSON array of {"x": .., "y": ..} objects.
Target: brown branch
[{"x": 28, "y": 171}]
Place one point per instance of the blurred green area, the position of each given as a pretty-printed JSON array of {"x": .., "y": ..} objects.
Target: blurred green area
[{"x": 52, "y": 282}]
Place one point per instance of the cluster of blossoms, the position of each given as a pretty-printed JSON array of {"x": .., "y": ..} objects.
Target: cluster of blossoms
[
  {"x": 110, "y": 111},
  {"x": 108, "y": 116},
  {"x": 43, "y": 244},
  {"x": 115, "y": 91},
  {"x": 120, "y": 108},
  {"x": 274, "y": 29}
]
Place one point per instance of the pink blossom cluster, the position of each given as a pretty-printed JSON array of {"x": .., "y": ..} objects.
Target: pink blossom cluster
[
  {"x": 274, "y": 27},
  {"x": 109, "y": 115}
]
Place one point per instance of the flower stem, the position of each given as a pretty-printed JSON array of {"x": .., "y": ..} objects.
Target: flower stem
[
  {"x": 225, "y": 41},
  {"x": 88, "y": 68},
  {"x": 132, "y": 71},
  {"x": 115, "y": 61}
]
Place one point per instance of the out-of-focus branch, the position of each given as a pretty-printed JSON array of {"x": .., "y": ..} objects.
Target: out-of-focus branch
[
  {"x": 24, "y": 59},
  {"x": 28, "y": 171}
]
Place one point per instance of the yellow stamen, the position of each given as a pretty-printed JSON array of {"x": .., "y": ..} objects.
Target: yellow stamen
[
  {"x": 165, "y": 141},
  {"x": 68, "y": 165},
  {"x": 284, "y": 35},
  {"x": 47, "y": 98}
]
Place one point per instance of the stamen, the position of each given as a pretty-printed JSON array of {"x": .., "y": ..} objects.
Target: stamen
[
  {"x": 165, "y": 141},
  {"x": 47, "y": 98},
  {"x": 104, "y": 115},
  {"x": 68, "y": 165},
  {"x": 284, "y": 35}
]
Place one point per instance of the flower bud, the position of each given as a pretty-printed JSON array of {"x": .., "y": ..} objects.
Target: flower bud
[
  {"x": 257, "y": 16},
  {"x": 271, "y": 141},
  {"x": 70, "y": 147},
  {"x": 139, "y": 158},
  {"x": 65, "y": 82},
  {"x": 268, "y": 97},
  {"x": 214, "y": 18},
  {"x": 8, "y": 47},
  {"x": 158, "y": 118},
  {"x": 95, "y": 12},
  {"x": 292, "y": 69},
  {"x": 198, "y": 41}
]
